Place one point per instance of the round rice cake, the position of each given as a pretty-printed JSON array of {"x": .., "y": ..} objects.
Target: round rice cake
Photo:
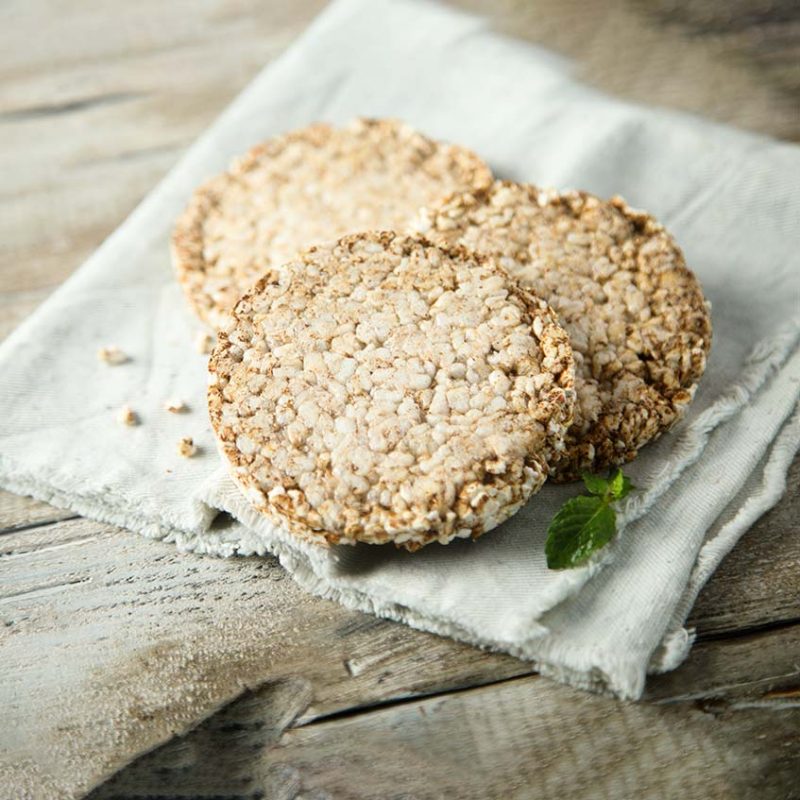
[
  {"x": 638, "y": 323},
  {"x": 382, "y": 389},
  {"x": 311, "y": 185}
]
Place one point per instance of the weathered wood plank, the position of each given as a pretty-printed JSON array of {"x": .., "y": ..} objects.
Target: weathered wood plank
[
  {"x": 145, "y": 641},
  {"x": 653, "y": 52},
  {"x": 219, "y": 758},
  {"x": 18, "y": 512},
  {"x": 531, "y": 738},
  {"x": 225, "y": 755},
  {"x": 520, "y": 738},
  {"x": 750, "y": 670},
  {"x": 765, "y": 35},
  {"x": 97, "y": 104}
]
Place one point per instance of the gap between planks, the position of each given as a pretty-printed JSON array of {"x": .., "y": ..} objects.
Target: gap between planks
[{"x": 701, "y": 684}]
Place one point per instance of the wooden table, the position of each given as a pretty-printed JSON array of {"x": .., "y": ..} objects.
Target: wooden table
[{"x": 115, "y": 643}]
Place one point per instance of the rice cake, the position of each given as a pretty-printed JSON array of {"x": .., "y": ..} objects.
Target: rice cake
[
  {"x": 312, "y": 185},
  {"x": 382, "y": 389},
  {"x": 639, "y": 325}
]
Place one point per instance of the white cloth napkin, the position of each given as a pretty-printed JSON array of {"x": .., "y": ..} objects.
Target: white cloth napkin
[{"x": 730, "y": 198}]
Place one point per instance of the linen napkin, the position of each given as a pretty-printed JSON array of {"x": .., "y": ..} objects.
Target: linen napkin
[{"x": 731, "y": 200}]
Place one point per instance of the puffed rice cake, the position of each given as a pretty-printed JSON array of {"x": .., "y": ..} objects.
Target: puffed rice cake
[
  {"x": 311, "y": 185},
  {"x": 639, "y": 325},
  {"x": 382, "y": 389}
]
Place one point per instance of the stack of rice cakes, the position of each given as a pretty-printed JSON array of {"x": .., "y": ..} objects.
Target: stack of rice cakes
[{"x": 407, "y": 349}]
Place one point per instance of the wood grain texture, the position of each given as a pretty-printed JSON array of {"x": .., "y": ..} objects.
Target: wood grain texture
[
  {"x": 112, "y": 643},
  {"x": 735, "y": 62},
  {"x": 18, "y": 512},
  {"x": 97, "y": 102},
  {"x": 228, "y": 755},
  {"x": 531, "y": 738},
  {"x": 764, "y": 34},
  {"x": 733, "y": 735}
]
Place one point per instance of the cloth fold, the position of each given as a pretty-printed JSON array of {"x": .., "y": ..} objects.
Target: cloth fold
[{"x": 731, "y": 200}]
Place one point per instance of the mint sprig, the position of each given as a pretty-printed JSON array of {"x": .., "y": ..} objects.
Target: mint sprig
[{"x": 586, "y": 523}]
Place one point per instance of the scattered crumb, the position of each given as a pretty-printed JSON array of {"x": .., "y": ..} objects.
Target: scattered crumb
[
  {"x": 112, "y": 355},
  {"x": 204, "y": 342},
  {"x": 187, "y": 447},
  {"x": 176, "y": 406},
  {"x": 127, "y": 416}
]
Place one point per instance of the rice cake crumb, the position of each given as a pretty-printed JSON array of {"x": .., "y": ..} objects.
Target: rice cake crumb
[
  {"x": 127, "y": 416},
  {"x": 311, "y": 185},
  {"x": 639, "y": 325},
  {"x": 112, "y": 355},
  {"x": 382, "y": 389},
  {"x": 175, "y": 406},
  {"x": 187, "y": 447}
]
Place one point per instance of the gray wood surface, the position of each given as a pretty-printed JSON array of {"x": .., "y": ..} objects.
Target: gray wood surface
[{"x": 113, "y": 644}]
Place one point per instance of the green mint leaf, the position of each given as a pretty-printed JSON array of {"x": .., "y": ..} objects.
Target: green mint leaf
[
  {"x": 586, "y": 523},
  {"x": 595, "y": 484},
  {"x": 581, "y": 526},
  {"x": 620, "y": 486}
]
